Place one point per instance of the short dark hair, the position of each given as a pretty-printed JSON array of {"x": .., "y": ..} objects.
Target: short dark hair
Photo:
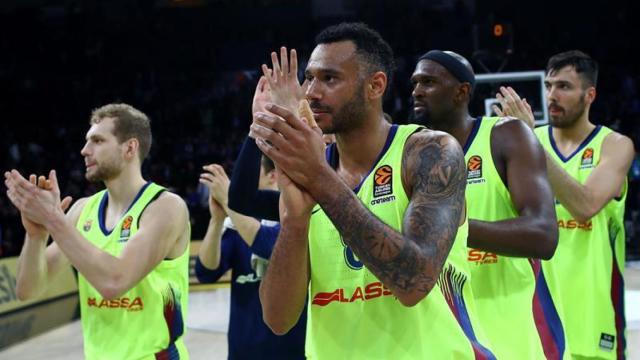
[
  {"x": 129, "y": 123},
  {"x": 584, "y": 65},
  {"x": 370, "y": 46}
]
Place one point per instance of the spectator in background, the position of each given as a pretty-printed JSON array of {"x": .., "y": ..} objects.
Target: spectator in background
[{"x": 244, "y": 244}]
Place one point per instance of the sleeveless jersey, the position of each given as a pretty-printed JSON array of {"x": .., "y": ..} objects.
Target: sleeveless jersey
[
  {"x": 352, "y": 315},
  {"x": 585, "y": 274},
  {"x": 505, "y": 287},
  {"x": 148, "y": 321}
]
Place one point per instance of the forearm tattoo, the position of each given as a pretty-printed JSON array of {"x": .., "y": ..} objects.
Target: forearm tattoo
[{"x": 433, "y": 163}]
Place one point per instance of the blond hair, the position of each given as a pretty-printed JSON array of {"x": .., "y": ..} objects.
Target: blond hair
[{"x": 129, "y": 123}]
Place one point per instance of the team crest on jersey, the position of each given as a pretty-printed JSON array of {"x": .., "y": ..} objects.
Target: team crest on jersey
[
  {"x": 587, "y": 158},
  {"x": 474, "y": 170},
  {"x": 474, "y": 167},
  {"x": 382, "y": 181},
  {"x": 125, "y": 230},
  {"x": 87, "y": 225}
]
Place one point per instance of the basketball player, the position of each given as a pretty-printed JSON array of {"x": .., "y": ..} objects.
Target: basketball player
[
  {"x": 244, "y": 244},
  {"x": 511, "y": 219},
  {"x": 587, "y": 166},
  {"x": 383, "y": 254},
  {"x": 129, "y": 243}
]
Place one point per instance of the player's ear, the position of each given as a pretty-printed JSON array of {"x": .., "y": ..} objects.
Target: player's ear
[
  {"x": 376, "y": 85},
  {"x": 590, "y": 95},
  {"x": 131, "y": 148},
  {"x": 463, "y": 93}
]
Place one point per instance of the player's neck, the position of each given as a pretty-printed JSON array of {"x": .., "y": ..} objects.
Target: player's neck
[
  {"x": 456, "y": 123},
  {"x": 359, "y": 148},
  {"x": 574, "y": 134},
  {"x": 124, "y": 188},
  {"x": 461, "y": 129}
]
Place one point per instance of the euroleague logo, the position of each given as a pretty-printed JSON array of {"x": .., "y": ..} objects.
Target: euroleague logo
[
  {"x": 474, "y": 170},
  {"x": 587, "y": 158},
  {"x": 383, "y": 185},
  {"x": 125, "y": 230},
  {"x": 474, "y": 167},
  {"x": 382, "y": 181}
]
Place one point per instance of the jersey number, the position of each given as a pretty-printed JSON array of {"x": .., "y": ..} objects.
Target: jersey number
[{"x": 350, "y": 258}]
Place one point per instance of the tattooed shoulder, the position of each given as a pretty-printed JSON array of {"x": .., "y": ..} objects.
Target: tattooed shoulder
[{"x": 433, "y": 163}]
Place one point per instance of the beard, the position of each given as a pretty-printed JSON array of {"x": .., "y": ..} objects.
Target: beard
[
  {"x": 435, "y": 121},
  {"x": 422, "y": 117},
  {"x": 103, "y": 172},
  {"x": 351, "y": 115},
  {"x": 569, "y": 117}
]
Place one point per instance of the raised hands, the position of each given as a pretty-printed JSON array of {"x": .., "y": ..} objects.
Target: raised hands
[
  {"x": 262, "y": 96},
  {"x": 286, "y": 131},
  {"x": 37, "y": 199},
  {"x": 286, "y": 90},
  {"x": 512, "y": 105},
  {"x": 295, "y": 147},
  {"x": 295, "y": 202},
  {"x": 216, "y": 179}
]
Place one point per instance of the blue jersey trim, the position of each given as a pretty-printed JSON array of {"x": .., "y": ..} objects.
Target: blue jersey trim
[
  {"x": 584, "y": 143},
  {"x": 103, "y": 207},
  {"x": 333, "y": 157},
  {"x": 472, "y": 135}
]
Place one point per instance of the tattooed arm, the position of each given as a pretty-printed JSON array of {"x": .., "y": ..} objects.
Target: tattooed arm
[
  {"x": 434, "y": 177},
  {"x": 407, "y": 263}
]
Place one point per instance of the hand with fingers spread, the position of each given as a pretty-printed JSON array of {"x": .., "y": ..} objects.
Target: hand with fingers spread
[
  {"x": 38, "y": 200},
  {"x": 216, "y": 179},
  {"x": 294, "y": 146},
  {"x": 512, "y": 105},
  {"x": 282, "y": 79},
  {"x": 261, "y": 98}
]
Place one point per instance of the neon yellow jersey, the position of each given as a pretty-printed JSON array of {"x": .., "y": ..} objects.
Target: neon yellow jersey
[
  {"x": 352, "y": 315},
  {"x": 585, "y": 274},
  {"x": 505, "y": 287},
  {"x": 146, "y": 322}
]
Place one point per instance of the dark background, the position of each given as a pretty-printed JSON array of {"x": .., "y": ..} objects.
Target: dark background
[{"x": 192, "y": 65}]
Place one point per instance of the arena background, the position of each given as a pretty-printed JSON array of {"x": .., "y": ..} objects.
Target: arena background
[{"x": 192, "y": 65}]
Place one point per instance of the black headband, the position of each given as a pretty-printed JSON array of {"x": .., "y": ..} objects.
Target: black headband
[{"x": 453, "y": 65}]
